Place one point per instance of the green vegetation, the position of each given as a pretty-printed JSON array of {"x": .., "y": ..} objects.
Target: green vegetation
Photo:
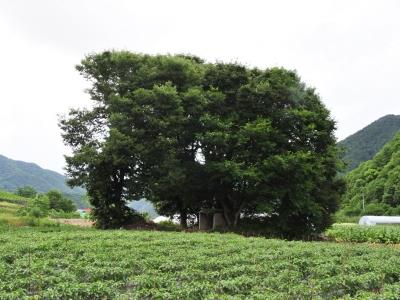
[
  {"x": 10, "y": 215},
  {"x": 188, "y": 135},
  {"x": 18, "y": 174},
  {"x": 10, "y": 205},
  {"x": 364, "y": 144},
  {"x": 376, "y": 183},
  {"x": 16, "y": 210},
  {"x": 26, "y": 191},
  {"x": 60, "y": 203},
  {"x": 57, "y": 214},
  {"x": 50, "y": 203},
  {"x": 389, "y": 234},
  {"x": 60, "y": 263},
  {"x": 12, "y": 198}
]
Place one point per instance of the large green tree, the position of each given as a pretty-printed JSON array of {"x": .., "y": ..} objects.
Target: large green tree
[
  {"x": 269, "y": 147},
  {"x": 26, "y": 191},
  {"x": 141, "y": 134},
  {"x": 186, "y": 134}
]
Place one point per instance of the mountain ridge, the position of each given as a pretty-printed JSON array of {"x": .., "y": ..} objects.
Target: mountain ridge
[
  {"x": 17, "y": 173},
  {"x": 362, "y": 145}
]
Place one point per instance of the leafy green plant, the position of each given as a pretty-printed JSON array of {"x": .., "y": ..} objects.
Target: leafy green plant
[
  {"x": 60, "y": 262},
  {"x": 389, "y": 234}
]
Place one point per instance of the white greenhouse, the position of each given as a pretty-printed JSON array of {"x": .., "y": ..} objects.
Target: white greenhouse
[{"x": 374, "y": 220}]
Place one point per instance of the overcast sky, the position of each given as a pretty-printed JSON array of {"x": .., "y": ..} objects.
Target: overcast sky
[{"x": 349, "y": 50}]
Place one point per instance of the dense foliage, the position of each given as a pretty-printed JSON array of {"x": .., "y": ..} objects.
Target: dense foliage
[
  {"x": 16, "y": 210},
  {"x": 58, "y": 201},
  {"x": 185, "y": 134},
  {"x": 389, "y": 234},
  {"x": 364, "y": 144},
  {"x": 47, "y": 204},
  {"x": 26, "y": 191},
  {"x": 17, "y": 174},
  {"x": 376, "y": 183},
  {"x": 86, "y": 264}
]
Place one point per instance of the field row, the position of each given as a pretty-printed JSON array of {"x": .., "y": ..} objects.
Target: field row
[
  {"x": 88, "y": 264},
  {"x": 389, "y": 234}
]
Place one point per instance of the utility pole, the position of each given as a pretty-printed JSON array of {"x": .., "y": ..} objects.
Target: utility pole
[{"x": 363, "y": 201}]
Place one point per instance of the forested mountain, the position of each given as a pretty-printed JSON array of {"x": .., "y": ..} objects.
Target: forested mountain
[
  {"x": 364, "y": 144},
  {"x": 377, "y": 182},
  {"x": 15, "y": 174}
]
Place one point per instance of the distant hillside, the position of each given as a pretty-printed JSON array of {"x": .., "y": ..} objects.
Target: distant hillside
[
  {"x": 15, "y": 174},
  {"x": 144, "y": 206},
  {"x": 364, "y": 144},
  {"x": 376, "y": 182}
]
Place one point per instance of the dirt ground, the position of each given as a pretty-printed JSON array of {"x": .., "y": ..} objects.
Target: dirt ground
[{"x": 77, "y": 222}]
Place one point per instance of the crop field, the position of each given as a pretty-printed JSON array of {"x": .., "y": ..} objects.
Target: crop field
[
  {"x": 65, "y": 263},
  {"x": 389, "y": 234}
]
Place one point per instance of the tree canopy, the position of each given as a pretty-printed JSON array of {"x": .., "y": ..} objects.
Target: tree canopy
[
  {"x": 187, "y": 134},
  {"x": 26, "y": 191},
  {"x": 58, "y": 201}
]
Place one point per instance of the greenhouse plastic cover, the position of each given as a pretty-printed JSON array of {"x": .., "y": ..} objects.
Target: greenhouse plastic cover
[{"x": 373, "y": 220}]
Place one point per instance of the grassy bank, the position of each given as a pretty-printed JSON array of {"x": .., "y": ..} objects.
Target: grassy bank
[
  {"x": 10, "y": 205},
  {"x": 9, "y": 217},
  {"x": 13, "y": 198}
]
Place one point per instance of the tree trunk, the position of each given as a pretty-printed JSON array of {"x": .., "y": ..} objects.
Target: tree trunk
[
  {"x": 231, "y": 214},
  {"x": 236, "y": 218},
  {"x": 183, "y": 218}
]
